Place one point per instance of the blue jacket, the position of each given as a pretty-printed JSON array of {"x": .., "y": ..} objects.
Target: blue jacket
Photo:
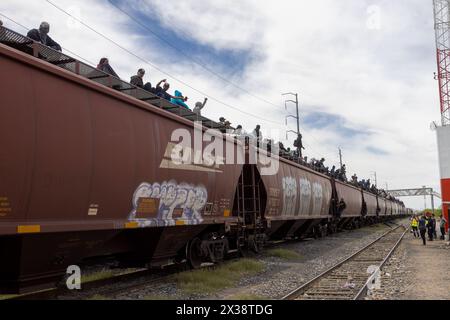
[{"x": 179, "y": 102}]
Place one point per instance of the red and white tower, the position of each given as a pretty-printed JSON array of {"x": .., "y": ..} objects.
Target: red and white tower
[{"x": 442, "y": 27}]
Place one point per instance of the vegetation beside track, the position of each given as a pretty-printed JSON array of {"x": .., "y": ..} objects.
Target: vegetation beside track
[
  {"x": 284, "y": 254},
  {"x": 222, "y": 277}
]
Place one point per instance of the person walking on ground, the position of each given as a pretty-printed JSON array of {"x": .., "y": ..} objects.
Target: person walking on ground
[
  {"x": 442, "y": 227},
  {"x": 423, "y": 229},
  {"x": 414, "y": 227},
  {"x": 433, "y": 220},
  {"x": 430, "y": 229}
]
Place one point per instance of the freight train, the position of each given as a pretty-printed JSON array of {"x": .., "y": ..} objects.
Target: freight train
[{"x": 87, "y": 170}]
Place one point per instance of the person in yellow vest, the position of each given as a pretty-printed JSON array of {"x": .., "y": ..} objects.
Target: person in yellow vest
[{"x": 415, "y": 227}]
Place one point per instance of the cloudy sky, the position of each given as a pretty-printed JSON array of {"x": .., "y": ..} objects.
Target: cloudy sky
[{"x": 363, "y": 69}]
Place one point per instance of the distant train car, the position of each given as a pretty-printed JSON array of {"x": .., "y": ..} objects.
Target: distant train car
[
  {"x": 298, "y": 199},
  {"x": 382, "y": 204},
  {"x": 371, "y": 204}
]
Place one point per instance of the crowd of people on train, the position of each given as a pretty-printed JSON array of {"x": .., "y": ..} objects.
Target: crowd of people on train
[{"x": 41, "y": 35}]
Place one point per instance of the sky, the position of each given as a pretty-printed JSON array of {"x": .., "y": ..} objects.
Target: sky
[{"x": 363, "y": 70}]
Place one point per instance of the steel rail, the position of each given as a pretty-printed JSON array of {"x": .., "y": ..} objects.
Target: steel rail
[
  {"x": 297, "y": 292},
  {"x": 364, "y": 290}
]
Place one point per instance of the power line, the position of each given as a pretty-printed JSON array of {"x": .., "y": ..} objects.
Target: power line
[
  {"x": 159, "y": 69},
  {"x": 195, "y": 60},
  {"x": 26, "y": 28}
]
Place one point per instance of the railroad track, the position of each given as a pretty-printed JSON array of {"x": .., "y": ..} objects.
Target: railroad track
[
  {"x": 112, "y": 286},
  {"x": 134, "y": 281},
  {"x": 350, "y": 279}
]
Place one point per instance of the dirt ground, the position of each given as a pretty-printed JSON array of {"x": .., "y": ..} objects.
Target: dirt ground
[
  {"x": 430, "y": 267},
  {"x": 417, "y": 272}
]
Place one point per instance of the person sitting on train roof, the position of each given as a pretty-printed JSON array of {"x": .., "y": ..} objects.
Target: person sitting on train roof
[
  {"x": 355, "y": 180},
  {"x": 162, "y": 91},
  {"x": 104, "y": 66},
  {"x": 199, "y": 106},
  {"x": 138, "y": 81},
  {"x": 42, "y": 36},
  {"x": 179, "y": 100},
  {"x": 281, "y": 148},
  {"x": 239, "y": 131}
]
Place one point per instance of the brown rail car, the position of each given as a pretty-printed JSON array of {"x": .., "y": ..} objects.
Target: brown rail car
[
  {"x": 87, "y": 169},
  {"x": 371, "y": 204}
]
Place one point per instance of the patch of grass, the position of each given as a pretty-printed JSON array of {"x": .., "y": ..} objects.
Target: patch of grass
[
  {"x": 247, "y": 296},
  {"x": 105, "y": 274},
  {"x": 284, "y": 254},
  {"x": 7, "y": 296},
  {"x": 213, "y": 280}
]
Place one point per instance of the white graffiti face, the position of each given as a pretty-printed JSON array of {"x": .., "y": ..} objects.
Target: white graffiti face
[
  {"x": 182, "y": 195},
  {"x": 143, "y": 191},
  {"x": 191, "y": 199},
  {"x": 171, "y": 195},
  {"x": 201, "y": 197},
  {"x": 317, "y": 198},
  {"x": 289, "y": 196},
  {"x": 305, "y": 196}
]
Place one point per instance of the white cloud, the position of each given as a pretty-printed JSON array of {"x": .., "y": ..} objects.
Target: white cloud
[{"x": 378, "y": 78}]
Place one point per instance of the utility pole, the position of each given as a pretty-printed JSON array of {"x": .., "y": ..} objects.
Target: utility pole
[
  {"x": 375, "y": 174},
  {"x": 296, "y": 108},
  {"x": 340, "y": 158},
  {"x": 442, "y": 30},
  {"x": 425, "y": 198}
]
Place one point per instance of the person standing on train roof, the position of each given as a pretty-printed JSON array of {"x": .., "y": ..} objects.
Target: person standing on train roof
[
  {"x": 199, "y": 107},
  {"x": 423, "y": 229},
  {"x": 42, "y": 36},
  {"x": 299, "y": 145},
  {"x": 258, "y": 135},
  {"x": 104, "y": 66}
]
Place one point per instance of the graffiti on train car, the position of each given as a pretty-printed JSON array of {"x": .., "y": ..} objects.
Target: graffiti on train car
[
  {"x": 162, "y": 204},
  {"x": 305, "y": 195},
  {"x": 289, "y": 195},
  {"x": 317, "y": 198},
  {"x": 307, "y": 191}
]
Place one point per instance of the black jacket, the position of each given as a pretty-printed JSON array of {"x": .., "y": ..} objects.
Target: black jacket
[{"x": 36, "y": 36}]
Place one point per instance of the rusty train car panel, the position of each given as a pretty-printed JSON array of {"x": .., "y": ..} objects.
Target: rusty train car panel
[
  {"x": 383, "y": 206},
  {"x": 371, "y": 203},
  {"x": 352, "y": 197}
]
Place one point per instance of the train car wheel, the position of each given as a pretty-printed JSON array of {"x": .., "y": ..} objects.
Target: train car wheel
[{"x": 194, "y": 253}]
